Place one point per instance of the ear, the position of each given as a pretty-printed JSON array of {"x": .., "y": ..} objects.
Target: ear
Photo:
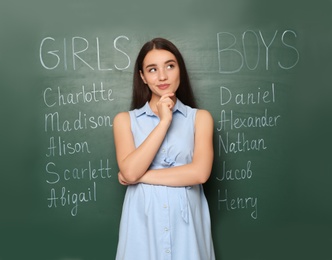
[{"x": 142, "y": 76}]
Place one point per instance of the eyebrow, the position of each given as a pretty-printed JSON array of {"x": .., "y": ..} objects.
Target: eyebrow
[{"x": 154, "y": 65}]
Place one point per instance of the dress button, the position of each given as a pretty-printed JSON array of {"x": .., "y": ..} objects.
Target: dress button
[
  {"x": 166, "y": 228},
  {"x": 167, "y": 251},
  {"x": 165, "y": 206},
  {"x": 163, "y": 150}
]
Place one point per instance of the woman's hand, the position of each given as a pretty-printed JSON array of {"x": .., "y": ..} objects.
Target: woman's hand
[{"x": 165, "y": 106}]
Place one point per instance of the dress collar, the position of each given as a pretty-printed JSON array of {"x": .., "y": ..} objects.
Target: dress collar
[{"x": 146, "y": 109}]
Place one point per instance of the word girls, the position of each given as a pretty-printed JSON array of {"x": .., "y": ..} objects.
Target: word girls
[{"x": 55, "y": 54}]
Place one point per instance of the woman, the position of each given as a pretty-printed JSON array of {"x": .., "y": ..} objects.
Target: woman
[{"x": 164, "y": 152}]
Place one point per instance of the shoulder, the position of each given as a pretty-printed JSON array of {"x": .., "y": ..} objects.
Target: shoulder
[
  {"x": 203, "y": 116},
  {"x": 203, "y": 122},
  {"x": 121, "y": 118}
]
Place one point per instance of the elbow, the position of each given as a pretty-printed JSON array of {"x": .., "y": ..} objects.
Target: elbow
[
  {"x": 132, "y": 180},
  {"x": 203, "y": 175},
  {"x": 203, "y": 178},
  {"x": 130, "y": 177}
]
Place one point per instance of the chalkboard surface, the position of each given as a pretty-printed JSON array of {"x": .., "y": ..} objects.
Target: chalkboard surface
[{"x": 262, "y": 69}]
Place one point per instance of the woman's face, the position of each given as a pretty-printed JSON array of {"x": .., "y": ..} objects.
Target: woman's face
[{"x": 161, "y": 72}]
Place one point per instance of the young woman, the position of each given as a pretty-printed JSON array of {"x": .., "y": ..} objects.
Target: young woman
[{"x": 164, "y": 152}]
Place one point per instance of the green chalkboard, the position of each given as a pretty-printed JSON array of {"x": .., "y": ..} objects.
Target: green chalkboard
[{"x": 262, "y": 69}]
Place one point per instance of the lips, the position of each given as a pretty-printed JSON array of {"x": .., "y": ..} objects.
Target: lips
[{"x": 163, "y": 86}]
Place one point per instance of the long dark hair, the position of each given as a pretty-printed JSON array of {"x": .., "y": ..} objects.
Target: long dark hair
[{"x": 142, "y": 94}]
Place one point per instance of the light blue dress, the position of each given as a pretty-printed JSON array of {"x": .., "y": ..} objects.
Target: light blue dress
[{"x": 161, "y": 222}]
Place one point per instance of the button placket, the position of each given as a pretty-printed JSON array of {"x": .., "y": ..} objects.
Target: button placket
[{"x": 165, "y": 225}]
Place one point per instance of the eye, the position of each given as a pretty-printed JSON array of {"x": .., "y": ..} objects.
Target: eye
[
  {"x": 152, "y": 70},
  {"x": 170, "y": 66}
]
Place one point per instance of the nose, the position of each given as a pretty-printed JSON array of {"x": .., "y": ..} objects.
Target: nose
[{"x": 162, "y": 75}]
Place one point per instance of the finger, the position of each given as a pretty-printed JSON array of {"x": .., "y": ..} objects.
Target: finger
[
  {"x": 167, "y": 100},
  {"x": 167, "y": 95}
]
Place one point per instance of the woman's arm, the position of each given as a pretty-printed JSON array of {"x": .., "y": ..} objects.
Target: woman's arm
[
  {"x": 133, "y": 162},
  {"x": 196, "y": 172}
]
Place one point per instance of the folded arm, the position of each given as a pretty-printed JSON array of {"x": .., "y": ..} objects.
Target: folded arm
[
  {"x": 133, "y": 162},
  {"x": 196, "y": 172}
]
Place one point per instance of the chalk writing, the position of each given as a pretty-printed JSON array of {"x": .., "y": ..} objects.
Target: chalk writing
[
  {"x": 255, "y": 51},
  {"x": 96, "y": 94},
  {"x": 236, "y": 174},
  {"x": 62, "y": 117},
  {"x": 56, "y": 52},
  {"x": 258, "y": 97},
  {"x": 65, "y": 197},
  {"x": 238, "y": 203},
  {"x": 89, "y": 172},
  {"x": 240, "y": 144},
  {"x": 55, "y": 123},
  {"x": 232, "y": 58},
  {"x": 58, "y": 146},
  {"x": 233, "y": 122}
]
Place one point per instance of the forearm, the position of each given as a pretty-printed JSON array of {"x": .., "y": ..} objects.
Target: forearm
[
  {"x": 138, "y": 161},
  {"x": 185, "y": 175}
]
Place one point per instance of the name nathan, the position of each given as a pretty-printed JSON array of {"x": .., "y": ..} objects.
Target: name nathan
[{"x": 240, "y": 144}]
